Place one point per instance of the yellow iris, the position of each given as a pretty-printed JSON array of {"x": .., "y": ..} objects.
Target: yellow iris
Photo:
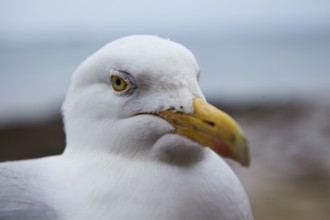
[{"x": 118, "y": 83}]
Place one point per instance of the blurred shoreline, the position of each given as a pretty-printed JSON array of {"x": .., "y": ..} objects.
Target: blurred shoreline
[{"x": 35, "y": 75}]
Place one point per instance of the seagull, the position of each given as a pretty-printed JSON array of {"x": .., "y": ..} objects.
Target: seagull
[{"x": 141, "y": 143}]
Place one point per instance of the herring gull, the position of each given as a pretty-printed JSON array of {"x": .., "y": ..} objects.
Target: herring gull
[{"x": 141, "y": 143}]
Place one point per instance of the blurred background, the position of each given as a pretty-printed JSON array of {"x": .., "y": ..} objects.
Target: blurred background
[{"x": 267, "y": 63}]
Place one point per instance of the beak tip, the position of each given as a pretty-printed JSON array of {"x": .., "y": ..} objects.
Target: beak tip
[
  {"x": 245, "y": 158},
  {"x": 245, "y": 161},
  {"x": 241, "y": 153}
]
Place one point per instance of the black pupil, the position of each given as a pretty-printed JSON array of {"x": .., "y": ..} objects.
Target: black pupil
[{"x": 118, "y": 82}]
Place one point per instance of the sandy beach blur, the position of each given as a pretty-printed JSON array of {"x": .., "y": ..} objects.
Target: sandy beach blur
[{"x": 290, "y": 147}]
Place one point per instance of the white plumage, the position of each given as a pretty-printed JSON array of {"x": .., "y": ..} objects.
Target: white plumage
[{"x": 122, "y": 160}]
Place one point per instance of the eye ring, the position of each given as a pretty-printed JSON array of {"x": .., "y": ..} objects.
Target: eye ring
[{"x": 118, "y": 84}]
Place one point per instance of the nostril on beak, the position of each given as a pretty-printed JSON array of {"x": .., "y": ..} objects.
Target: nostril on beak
[{"x": 211, "y": 123}]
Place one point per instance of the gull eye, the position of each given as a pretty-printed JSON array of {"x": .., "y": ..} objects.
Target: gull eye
[{"x": 118, "y": 83}]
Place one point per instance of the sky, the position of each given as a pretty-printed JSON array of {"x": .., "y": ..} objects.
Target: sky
[{"x": 40, "y": 18}]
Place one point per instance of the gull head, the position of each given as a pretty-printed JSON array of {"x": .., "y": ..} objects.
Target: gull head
[{"x": 139, "y": 97}]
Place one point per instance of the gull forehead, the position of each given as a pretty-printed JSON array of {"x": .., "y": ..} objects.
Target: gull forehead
[
  {"x": 150, "y": 49},
  {"x": 140, "y": 54}
]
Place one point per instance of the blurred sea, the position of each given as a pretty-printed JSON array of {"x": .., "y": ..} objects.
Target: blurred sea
[{"x": 34, "y": 76}]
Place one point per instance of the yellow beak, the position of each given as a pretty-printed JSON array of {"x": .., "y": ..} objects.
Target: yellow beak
[{"x": 210, "y": 127}]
